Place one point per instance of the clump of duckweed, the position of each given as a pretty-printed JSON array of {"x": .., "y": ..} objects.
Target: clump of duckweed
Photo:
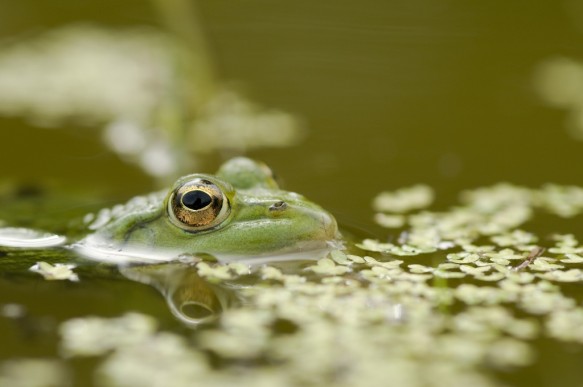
[
  {"x": 34, "y": 373},
  {"x": 91, "y": 336},
  {"x": 470, "y": 293},
  {"x": 131, "y": 82},
  {"x": 56, "y": 272},
  {"x": 404, "y": 199}
]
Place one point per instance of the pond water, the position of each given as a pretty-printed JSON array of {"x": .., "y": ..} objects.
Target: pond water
[{"x": 100, "y": 103}]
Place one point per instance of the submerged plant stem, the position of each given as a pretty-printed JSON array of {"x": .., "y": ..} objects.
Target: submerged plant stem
[{"x": 534, "y": 254}]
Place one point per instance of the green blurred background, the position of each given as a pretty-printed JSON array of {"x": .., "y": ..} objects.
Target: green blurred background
[{"x": 393, "y": 93}]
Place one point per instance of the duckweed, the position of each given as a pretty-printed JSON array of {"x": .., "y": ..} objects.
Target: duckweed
[
  {"x": 450, "y": 311},
  {"x": 58, "y": 271}
]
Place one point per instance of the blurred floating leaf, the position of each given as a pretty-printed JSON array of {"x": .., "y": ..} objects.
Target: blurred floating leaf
[
  {"x": 155, "y": 95},
  {"x": 404, "y": 199},
  {"x": 230, "y": 122},
  {"x": 87, "y": 74},
  {"x": 510, "y": 352},
  {"x": 559, "y": 82},
  {"x": 153, "y": 361},
  {"x": 573, "y": 275},
  {"x": 328, "y": 266},
  {"x": 340, "y": 258},
  {"x": 420, "y": 269},
  {"x": 516, "y": 237},
  {"x": 566, "y": 325},
  {"x": 565, "y": 240},
  {"x": 390, "y": 221},
  {"x": 214, "y": 272},
  {"x": 34, "y": 373},
  {"x": 572, "y": 258},
  {"x": 58, "y": 271},
  {"x": 92, "y": 336},
  {"x": 463, "y": 257}
]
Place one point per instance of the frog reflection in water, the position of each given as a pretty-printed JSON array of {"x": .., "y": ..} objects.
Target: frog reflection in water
[{"x": 238, "y": 214}]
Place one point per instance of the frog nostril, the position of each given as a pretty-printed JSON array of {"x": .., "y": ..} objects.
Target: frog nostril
[{"x": 278, "y": 206}]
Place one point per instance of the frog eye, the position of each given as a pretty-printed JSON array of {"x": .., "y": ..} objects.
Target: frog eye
[{"x": 198, "y": 205}]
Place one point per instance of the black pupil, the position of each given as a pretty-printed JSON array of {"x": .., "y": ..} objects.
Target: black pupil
[{"x": 196, "y": 200}]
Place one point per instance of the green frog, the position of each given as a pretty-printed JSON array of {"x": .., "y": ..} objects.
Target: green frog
[{"x": 238, "y": 213}]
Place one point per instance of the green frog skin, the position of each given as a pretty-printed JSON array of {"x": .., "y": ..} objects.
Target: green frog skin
[{"x": 240, "y": 212}]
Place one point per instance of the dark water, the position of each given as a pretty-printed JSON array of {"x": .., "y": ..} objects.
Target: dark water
[{"x": 394, "y": 94}]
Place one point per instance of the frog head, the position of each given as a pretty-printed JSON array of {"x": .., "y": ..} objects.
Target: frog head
[{"x": 238, "y": 212}]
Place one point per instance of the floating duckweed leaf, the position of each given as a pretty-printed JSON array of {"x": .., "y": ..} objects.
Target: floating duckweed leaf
[
  {"x": 509, "y": 352},
  {"x": 404, "y": 250},
  {"x": 269, "y": 272},
  {"x": 152, "y": 362},
  {"x": 448, "y": 274},
  {"x": 566, "y": 325},
  {"x": 520, "y": 277},
  {"x": 374, "y": 245},
  {"x": 93, "y": 336},
  {"x": 565, "y": 201},
  {"x": 411, "y": 277},
  {"x": 404, "y": 199},
  {"x": 370, "y": 261},
  {"x": 243, "y": 335},
  {"x": 215, "y": 272},
  {"x": 448, "y": 266},
  {"x": 492, "y": 199},
  {"x": 573, "y": 275},
  {"x": 565, "y": 244},
  {"x": 106, "y": 62},
  {"x": 497, "y": 276},
  {"x": 419, "y": 269},
  {"x": 58, "y": 271},
  {"x": 477, "y": 249},
  {"x": 565, "y": 240},
  {"x": 392, "y": 264},
  {"x": 500, "y": 261},
  {"x": 566, "y": 250},
  {"x": 547, "y": 286},
  {"x": 463, "y": 257},
  {"x": 327, "y": 266},
  {"x": 293, "y": 279},
  {"x": 471, "y": 270},
  {"x": 542, "y": 264},
  {"x": 382, "y": 272},
  {"x": 229, "y": 121},
  {"x": 355, "y": 258},
  {"x": 516, "y": 237},
  {"x": 239, "y": 268},
  {"x": 474, "y": 295},
  {"x": 572, "y": 258},
  {"x": 526, "y": 329},
  {"x": 34, "y": 373},
  {"x": 340, "y": 258},
  {"x": 390, "y": 221},
  {"x": 537, "y": 302},
  {"x": 332, "y": 280},
  {"x": 427, "y": 239}
]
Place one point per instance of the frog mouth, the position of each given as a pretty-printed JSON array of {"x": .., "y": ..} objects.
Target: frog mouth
[{"x": 274, "y": 239}]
